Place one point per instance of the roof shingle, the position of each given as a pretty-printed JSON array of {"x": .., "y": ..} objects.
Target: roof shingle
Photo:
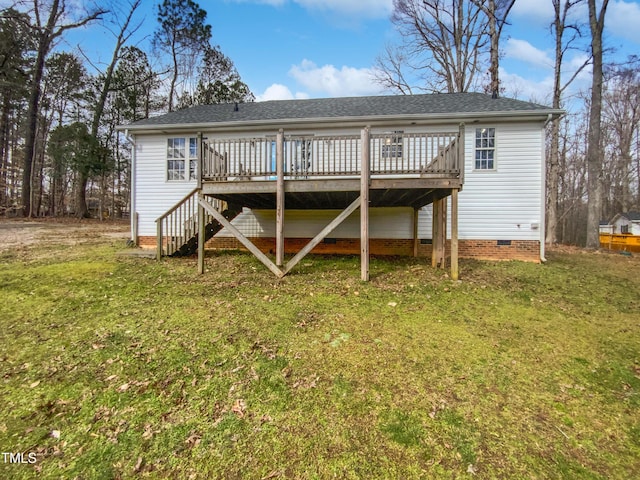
[{"x": 345, "y": 107}]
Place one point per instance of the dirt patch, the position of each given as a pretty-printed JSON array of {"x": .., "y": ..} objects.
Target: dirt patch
[{"x": 22, "y": 233}]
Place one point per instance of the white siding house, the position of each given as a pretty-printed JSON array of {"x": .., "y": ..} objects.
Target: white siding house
[
  {"x": 501, "y": 200},
  {"x": 626, "y": 223},
  {"x": 505, "y": 203}
]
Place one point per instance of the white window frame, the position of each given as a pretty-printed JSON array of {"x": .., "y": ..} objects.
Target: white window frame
[
  {"x": 485, "y": 143},
  {"x": 393, "y": 145},
  {"x": 187, "y": 154}
]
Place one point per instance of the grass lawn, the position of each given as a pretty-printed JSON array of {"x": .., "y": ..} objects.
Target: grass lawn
[{"x": 128, "y": 368}]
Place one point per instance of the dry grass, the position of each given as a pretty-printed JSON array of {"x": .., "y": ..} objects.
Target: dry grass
[{"x": 121, "y": 368}]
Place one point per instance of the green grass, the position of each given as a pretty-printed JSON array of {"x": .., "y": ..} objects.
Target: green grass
[{"x": 145, "y": 369}]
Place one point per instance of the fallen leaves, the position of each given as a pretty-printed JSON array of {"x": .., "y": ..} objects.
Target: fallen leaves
[
  {"x": 239, "y": 408},
  {"x": 193, "y": 440},
  {"x": 141, "y": 385},
  {"x": 306, "y": 383},
  {"x": 139, "y": 465}
]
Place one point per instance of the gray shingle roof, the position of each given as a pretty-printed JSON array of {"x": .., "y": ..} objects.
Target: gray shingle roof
[{"x": 346, "y": 107}]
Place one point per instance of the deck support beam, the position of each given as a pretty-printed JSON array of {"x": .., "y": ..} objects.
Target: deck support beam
[
  {"x": 364, "y": 204},
  {"x": 159, "y": 239},
  {"x": 435, "y": 233},
  {"x": 242, "y": 239},
  {"x": 321, "y": 236},
  {"x": 416, "y": 216},
  {"x": 280, "y": 198},
  {"x": 439, "y": 233},
  {"x": 454, "y": 234},
  {"x": 201, "y": 233},
  {"x": 443, "y": 233}
]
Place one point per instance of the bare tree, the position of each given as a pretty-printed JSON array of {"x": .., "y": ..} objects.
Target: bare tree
[
  {"x": 594, "y": 150},
  {"x": 122, "y": 36},
  {"x": 621, "y": 120},
  {"x": 390, "y": 70},
  {"x": 184, "y": 35},
  {"x": 496, "y": 12},
  {"x": 444, "y": 42},
  {"x": 46, "y": 33},
  {"x": 565, "y": 36}
]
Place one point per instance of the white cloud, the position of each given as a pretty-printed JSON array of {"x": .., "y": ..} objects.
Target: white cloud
[
  {"x": 536, "y": 11},
  {"x": 572, "y": 66},
  {"x": 623, "y": 19},
  {"x": 524, "y": 51},
  {"x": 334, "y": 82},
  {"x": 278, "y": 91},
  {"x": 519, "y": 87}
]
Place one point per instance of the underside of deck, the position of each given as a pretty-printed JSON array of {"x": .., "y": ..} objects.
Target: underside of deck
[{"x": 331, "y": 194}]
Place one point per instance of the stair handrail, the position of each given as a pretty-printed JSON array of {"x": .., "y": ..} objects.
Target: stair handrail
[
  {"x": 177, "y": 205},
  {"x": 161, "y": 218}
]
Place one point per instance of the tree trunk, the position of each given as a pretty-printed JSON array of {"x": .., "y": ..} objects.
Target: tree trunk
[
  {"x": 553, "y": 183},
  {"x": 81, "y": 203},
  {"x": 493, "y": 52},
  {"x": 554, "y": 154},
  {"x": 4, "y": 150},
  {"x": 594, "y": 151},
  {"x": 81, "y": 200}
]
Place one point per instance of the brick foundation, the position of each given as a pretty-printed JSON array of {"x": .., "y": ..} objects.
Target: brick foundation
[
  {"x": 525, "y": 250},
  {"x": 147, "y": 242}
]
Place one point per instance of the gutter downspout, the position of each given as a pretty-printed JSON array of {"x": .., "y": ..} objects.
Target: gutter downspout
[
  {"x": 133, "y": 214},
  {"x": 543, "y": 213}
]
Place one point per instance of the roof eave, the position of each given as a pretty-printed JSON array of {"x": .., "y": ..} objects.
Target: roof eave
[{"x": 433, "y": 118}]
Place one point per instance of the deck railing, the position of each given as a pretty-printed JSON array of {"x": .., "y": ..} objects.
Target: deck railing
[
  {"x": 180, "y": 223},
  {"x": 313, "y": 156}
]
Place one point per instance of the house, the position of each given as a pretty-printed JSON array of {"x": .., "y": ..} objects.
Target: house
[
  {"x": 626, "y": 223},
  {"x": 623, "y": 233},
  {"x": 605, "y": 227},
  {"x": 440, "y": 175}
]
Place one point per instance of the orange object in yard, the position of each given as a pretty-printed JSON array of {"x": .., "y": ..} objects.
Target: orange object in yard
[{"x": 624, "y": 242}]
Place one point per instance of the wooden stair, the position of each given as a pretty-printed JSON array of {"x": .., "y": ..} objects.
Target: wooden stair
[{"x": 177, "y": 229}]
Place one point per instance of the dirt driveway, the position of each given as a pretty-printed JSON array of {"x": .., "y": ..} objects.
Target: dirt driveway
[{"x": 21, "y": 233}]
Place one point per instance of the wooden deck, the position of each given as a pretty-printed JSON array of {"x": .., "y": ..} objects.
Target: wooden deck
[
  {"x": 346, "y": 173},
  {"x": 325, "y": 172}
]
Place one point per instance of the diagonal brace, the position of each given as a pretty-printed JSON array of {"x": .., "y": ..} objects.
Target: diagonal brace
[
  {"x": 320, "y": 236},
  {"x": 242, "y": 239}
]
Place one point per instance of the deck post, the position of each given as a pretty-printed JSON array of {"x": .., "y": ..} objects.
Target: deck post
[
  {"x": 159, "y": 238},
  {"x": 201, "y": 234},
  {"x": 280, "y": 198},
  {"x": 416, "y": 214},
  {"x": 461, "y": 134},
  {"x": 443, "y": 233},
  {"x": 364, "y": 204},
  {"x": 200, "y": 159},
  {"x": 435, "y": 235},
  {"x": 454, "y": 234}
]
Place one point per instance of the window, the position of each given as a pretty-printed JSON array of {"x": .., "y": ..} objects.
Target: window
[
  {"x": 485, "y": 148},
  {"x": 624, "y": 229},
  {"x": 392, "y": 146},
  {"x": 180, "y": 158}
]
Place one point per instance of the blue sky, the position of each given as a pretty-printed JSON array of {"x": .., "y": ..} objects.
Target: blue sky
[{"x": 322, "y": 48}]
